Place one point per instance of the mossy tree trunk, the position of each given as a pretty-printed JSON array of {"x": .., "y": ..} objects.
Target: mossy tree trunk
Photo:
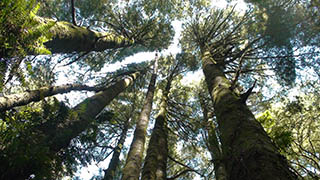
[
  {"x": 20, "y": 99},
  {"x": 212, "y": 143},
  {"x": 155, "y": 166},
  {"x": 248, "y": 152},
  {"x": 84, "y": 113},
  {"x": 131, "y": 170},
  {"x": 114, "y": 163},
  {"x": 64, "y": 37}
]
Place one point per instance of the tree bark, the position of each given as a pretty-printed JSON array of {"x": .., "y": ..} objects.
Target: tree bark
[
  {"x": 84, "y": 113},
  {"x": 155, "y": 166},
  {"x": 216, "y": 155},
  {"x": 248, "y": 151},
  {"x": 131, "y": 170},
  {"x": 66, "y": 38},
  {"x": 213, "y": 144},
  {"x": 20, "y": 99},
  {"x": 114, "y": 163}
]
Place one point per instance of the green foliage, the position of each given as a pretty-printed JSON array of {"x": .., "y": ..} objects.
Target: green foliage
[
  {"x": 24, "y": 150},
  {"x": 19, "y": 31},
  {"x": 281, "y": 136},
  {"x": 294, "y": 126},
  {"x": 264, "y": 37}
]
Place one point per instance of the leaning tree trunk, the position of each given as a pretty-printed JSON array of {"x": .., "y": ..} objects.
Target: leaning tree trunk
[
  {"x": 155, "y": 166},
  {"x": 59, "y": 137},
  {"x": 131, "y": 170},
  {"x": 84, "y": 113},
  {"x": 248, "y": 151},
  {"x": 114, "y": 163},
  {"x": 20, "y": 99},
  {"x": 66, "y": 38}
]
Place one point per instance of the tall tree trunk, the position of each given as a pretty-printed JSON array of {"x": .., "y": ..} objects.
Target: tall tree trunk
[
  {"x": 216, "y": 154},
  {"x": 20, "y": 99},
  {"x": 248, "y": 151},
  {"x": 84, "y": 113},
  {"x": 114, "y": 163},
  {"x": 213, "y": 144},
  {"x": 131, "y": 170},
  {"x": 67, "y": 38},
  {"x": 155, "y": 166}
]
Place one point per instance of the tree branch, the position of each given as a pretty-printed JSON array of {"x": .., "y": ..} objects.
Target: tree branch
[
  {"x": 188, "y": 168},
  {"x": 73, "y": 13},
  {"x": 179, "y": 174}
]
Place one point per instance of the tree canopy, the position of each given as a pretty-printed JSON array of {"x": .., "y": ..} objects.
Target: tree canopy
[{"x": 95, "y": 83}]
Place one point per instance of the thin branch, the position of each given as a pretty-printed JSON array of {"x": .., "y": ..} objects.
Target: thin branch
[
  {"x": 77, "y": 59},
  {"x": 274, "y": 57},
  {"x": 180, "y": 163},
  {"x": 250, "y": 70},
  {"x": 179, "y": 174},
  {"x": 73, "y": 13},
  {"x": 236, "y": 77}
]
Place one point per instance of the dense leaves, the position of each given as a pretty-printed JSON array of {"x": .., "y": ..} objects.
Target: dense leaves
[{"x": 24, "y": 151}]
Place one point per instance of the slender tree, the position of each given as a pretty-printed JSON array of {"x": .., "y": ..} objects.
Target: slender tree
[
  {"x": 131, "y": 170},
  {"x": 156, "y": 160},
  {"x": 20, "y": 99},
  {"x": 155, "y": 166},
  {"x": 114, "y": 162}
]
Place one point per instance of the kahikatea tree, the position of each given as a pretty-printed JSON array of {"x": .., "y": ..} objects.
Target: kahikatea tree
[
  {"x": 131, "y": 170},
  {"x": 234, "y": 47},
  {"x": 219, "y": 42},
  {"x": 155, "y": 166},
  {"x": 211, "y": 134},
  {"x": 120, "y": 32},
  {"x": 110, "y": 172},
  {"x": 157, "y": 153}
]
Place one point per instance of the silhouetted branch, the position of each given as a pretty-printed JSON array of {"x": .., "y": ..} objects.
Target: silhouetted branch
[{"x": 73, "y": 13}]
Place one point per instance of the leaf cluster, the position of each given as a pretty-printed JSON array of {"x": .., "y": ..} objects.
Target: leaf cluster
[{"x": 24, "y": 149}]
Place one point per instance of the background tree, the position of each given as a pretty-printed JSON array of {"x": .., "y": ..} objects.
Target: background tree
[
  {"x": 296, "y": 139},
  {"x": 217, "y": 39},
  {"x": 135, "y": 155}
]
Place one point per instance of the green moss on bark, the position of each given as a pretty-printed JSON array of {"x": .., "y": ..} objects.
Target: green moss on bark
[
  {"x": 248, "y": 152},
  {"x": 66, "y": 38}
]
